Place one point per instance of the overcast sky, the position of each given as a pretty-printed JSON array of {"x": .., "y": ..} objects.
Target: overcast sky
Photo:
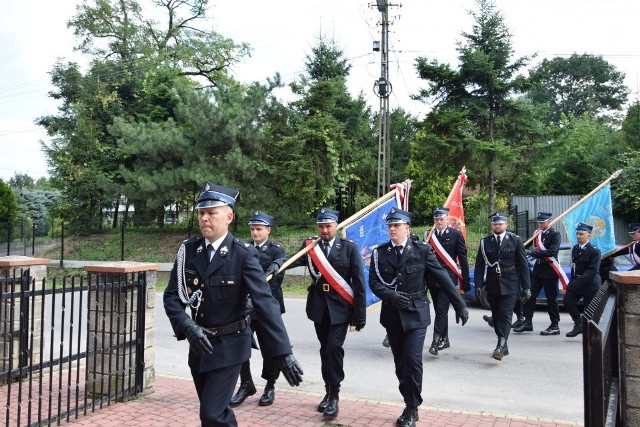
[{"x": 33, "y": 35}]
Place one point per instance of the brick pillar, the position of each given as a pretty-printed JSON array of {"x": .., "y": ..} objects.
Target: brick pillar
[
  {"x": 102, "y": 368},
  {"x": 628, "y": 285},
  {"x": 11, "y": 331}
]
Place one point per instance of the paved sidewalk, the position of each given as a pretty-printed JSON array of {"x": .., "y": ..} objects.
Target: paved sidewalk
[{"x": 174, "y": 403}]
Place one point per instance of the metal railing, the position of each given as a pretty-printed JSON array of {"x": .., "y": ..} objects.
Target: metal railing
[
  {"x": 69, "y": 345},
  {"x": 600, "y": 359}
]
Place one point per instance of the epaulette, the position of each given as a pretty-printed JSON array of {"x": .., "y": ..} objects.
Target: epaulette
[
  {"x": 277, "y": 245},
  {"x": 192, "y": 239},
  {"x": 350, "y": 241},
  {"x": 243, "y": 244}
]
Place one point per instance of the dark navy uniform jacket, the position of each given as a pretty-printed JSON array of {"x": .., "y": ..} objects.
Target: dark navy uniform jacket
[
  {"x": 453, "y": 243},
  {"x": 513, "y": 266},
  {"x": 551, "y": 241},
  {"x": 234, "y": 273},
  {"x": 635, "y": 248},
  {"x": 345, "y": 258},
  {"x": 417, "y": 263},
  {"x": 585, "y": 277},
  {"x": 268, "y": 252}
]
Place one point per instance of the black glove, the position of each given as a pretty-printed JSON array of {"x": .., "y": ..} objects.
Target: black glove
[
  {"x": 525, "y": 295},
  {"x": 288, "y": 365},
  {"x": 400, "y": 300},
  {"x": 464, "y": 316},
  {"x": 479, "y": 290},
  {"x": 197, "y": 339},
  {"x": 272, "y": 269},
  {"x": 359, "y": 323}
]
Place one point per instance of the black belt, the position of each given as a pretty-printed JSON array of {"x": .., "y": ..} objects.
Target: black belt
[
  {"x": 503, "y": 269},
  {"x": 228, "y": 329},
  {"x": 416, "y": 295},
  {"x": 324, "y": 287}
]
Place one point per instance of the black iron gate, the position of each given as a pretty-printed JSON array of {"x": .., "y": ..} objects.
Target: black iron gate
[
  {"x": 69, "y": 345},
  {"x": 600, "y": 359}
]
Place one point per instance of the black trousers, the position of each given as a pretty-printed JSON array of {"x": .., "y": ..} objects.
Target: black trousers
[
  {"x": 406, "y": 347},
  {"x": 502, "y": 307},
  {"x": 571, "y": 299},
  {"x": 215, "y": 389},
  {"x": 441, "y": 305},
  {"x": 331, "y": 338},
  {"x": 269, "y": 371},
  {"x": 550, "y": 286}
]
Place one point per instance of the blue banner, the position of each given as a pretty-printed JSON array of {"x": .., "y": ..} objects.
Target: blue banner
[
  {"x": 595, "y": 211},
  {"x": 369, "y": 232}
]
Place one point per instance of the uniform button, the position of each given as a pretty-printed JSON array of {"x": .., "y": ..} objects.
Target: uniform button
[{"x": 200, "y": 315}]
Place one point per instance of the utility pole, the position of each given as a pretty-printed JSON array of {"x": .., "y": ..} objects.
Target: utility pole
[{"x": 382, "y": 88}]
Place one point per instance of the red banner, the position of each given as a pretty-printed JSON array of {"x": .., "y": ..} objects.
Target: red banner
[{"x": 454, "y": 203}]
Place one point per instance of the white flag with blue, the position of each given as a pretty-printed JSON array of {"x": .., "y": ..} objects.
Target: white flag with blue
[{"x": 597, "y": 212}]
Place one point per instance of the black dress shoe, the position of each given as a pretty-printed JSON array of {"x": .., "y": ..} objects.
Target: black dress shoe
[
  {"x": 268, "y": 396},
  {"x": 434, "y": 348},
  {"x": 489, "y": 320},
  {"x": 247, "y": 388},
  {"x": 526, "y": 326},
  {"x": 553, "y": 329},
  {"x": 406, "y": 412},
  {"x": 323, "y": 403},
  {"x": 443, "y": 343},
  {"x": 332, "y": 409},
  {"x": 518, "y": 323},
  {"x": 385, "y": 341},
  {"x": 501, "y": 349},
  {"x": 577, "y": 330}
]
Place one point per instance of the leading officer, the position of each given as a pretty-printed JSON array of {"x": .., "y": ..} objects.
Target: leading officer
[
  {"x": 397, "y": 275},
  {"x": 213, "y": 275},
  {"x": 502, "y": 254}
]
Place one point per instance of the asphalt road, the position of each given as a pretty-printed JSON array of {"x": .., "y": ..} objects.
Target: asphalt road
[{"x": 542, "y": 376}]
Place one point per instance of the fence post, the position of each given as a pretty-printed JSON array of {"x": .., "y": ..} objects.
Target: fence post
[
  {"x": 628, "y": 286},
  {"x": 122, "y": 242},
  {"x": 102, "y": 328},
  {"x": 62, "y": 244},
  {"x": 33, "y": 238},
  {"x": 12, "y": 345}
]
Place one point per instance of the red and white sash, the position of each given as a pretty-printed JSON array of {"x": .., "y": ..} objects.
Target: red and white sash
[
  {"x": 446, "y": 258},
  {"x": 332, "y": 277},
  {"x": 633, "y": 256},
  {"x": 563, "y": 280}
]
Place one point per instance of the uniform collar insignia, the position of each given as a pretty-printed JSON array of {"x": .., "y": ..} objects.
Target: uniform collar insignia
[
  {"x": 223, "y": 251},
  {"x": 199, "y": 249}
]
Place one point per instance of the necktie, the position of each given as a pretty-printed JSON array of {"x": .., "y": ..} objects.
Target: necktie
[
  {"x": 210, "y": 252},
  {"x": 325, "y": 249},
  {"x": 498, "y": 239},
  {"x": 398, "y": 249}
]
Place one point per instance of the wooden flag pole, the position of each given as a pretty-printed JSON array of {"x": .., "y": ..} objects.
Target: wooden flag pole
[
  {"x": 342, "y": 225},
  {"x": 579, "y": 202},
  {"x": 619, "y": 250}
]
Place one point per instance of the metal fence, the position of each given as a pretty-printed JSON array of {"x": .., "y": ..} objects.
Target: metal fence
[
  {"x": 69, "y": 345},
  {"x": 600, "y": 359}
]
